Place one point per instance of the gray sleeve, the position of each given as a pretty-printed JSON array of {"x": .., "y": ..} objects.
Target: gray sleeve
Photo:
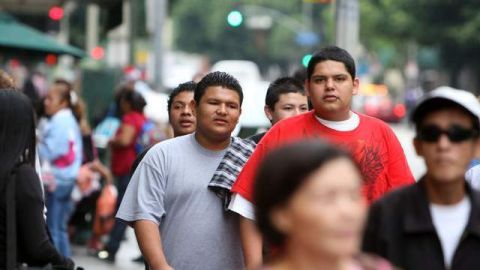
[{"x": 145, "y": 194}]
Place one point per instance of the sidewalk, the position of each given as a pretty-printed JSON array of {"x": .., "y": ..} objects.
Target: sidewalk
[{"x": 128, "y": 251}]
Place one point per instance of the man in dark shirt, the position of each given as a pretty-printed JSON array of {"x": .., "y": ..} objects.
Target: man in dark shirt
[{"x": 434, "y": 223}]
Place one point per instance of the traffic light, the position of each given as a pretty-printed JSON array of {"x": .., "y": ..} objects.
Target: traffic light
[
  {"x": 97, "y": 53},
  {"x": 234, "y": 18},
  {"x": 306, "y": 59},
  {"x": 55, "y": 13}
]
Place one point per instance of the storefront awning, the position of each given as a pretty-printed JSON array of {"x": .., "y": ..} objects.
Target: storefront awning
[{"x": 15, "y": 35}]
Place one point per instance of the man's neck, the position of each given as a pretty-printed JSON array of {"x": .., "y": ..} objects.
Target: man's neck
[
  {"x": 445, "y": 193},
  {"x": 336, "y": 117},
  {"x": 210, "y": 143}
]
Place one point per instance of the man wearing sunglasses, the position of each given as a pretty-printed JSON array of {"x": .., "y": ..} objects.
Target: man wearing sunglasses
[{"x": 435, "y": 223}]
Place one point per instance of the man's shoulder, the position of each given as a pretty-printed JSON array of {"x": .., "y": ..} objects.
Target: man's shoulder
[
  {"x": 369, "y": 121},
  {"x": 295, "y": 120},
  {"x": 474, "y": 194},
  {"x": 180, "y": 140},
  {"x": 292, "y": 125},
  {"x": 397, "y": 197},
  {"x": 166, "y": 147}
]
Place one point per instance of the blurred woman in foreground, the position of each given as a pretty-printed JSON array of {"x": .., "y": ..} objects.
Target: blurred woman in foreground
[
  {"x": 310, "y": 208},
  {"x": 23, "y": 235}
]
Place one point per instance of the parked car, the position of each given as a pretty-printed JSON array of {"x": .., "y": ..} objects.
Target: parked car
[{"x": 374, "y": 100}]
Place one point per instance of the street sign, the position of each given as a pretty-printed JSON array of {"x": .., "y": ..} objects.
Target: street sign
[{"x": 307, "y": 39}]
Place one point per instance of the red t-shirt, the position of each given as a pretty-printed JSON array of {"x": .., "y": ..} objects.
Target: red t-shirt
[
  {"x": 373, "y": 145},
  {"x": 123, "y": 157}
]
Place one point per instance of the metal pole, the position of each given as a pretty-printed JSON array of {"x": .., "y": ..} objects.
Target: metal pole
[
  {"x": 158, "y": 40},
  {"x": 347, "y": 19},
  {"x": 133, "y": 31},
  {"x": 93, "y": 12}
]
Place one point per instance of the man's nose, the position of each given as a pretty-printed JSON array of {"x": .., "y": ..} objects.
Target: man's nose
[
  {"x": 222, "y": 109},
  {"x": 186, "y": 110},
  {"x": 329, "y": 83}
]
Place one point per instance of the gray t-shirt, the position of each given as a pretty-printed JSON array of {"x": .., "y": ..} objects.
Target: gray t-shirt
[{"x": 170, "y": 188}]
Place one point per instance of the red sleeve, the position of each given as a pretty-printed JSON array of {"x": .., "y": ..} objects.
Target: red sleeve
[
  {"x": 398, "y": 171},
  {"x": 133, "y": 119}
]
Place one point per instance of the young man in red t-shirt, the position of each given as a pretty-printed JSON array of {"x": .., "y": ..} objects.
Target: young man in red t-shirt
[{"x": 330, "y": 84}]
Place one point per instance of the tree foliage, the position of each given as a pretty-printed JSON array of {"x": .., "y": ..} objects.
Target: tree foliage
[
  {"x": 200, "y": 26},
  {"x": 451, "y": 27}
]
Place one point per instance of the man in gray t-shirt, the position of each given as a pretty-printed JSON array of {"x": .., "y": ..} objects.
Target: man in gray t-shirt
[{"x": 178, "y": 221}]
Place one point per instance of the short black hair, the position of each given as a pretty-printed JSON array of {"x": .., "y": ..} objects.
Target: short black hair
[
  {"x": 183, "y": 87},
  {"x": 281, "y": 174},
  {"x": 217, "y": 78},
  {"x": 283, "y": 85},
  {"x": 300, "y": 74},
  {"x": 333, "y": 53},
  {"x": 134, "y": 98},
  {"x": 440, "y": 104}
]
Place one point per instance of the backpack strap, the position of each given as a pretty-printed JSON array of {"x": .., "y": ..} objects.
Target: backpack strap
[{"x": 11, "y": 222}]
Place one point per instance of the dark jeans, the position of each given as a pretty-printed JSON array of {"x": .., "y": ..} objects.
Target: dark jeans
[{"x": 119, "y": 228}]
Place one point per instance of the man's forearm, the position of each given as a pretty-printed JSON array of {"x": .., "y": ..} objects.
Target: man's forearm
[
  {"x": 149, "y": 241},
  {"x": 251, "y": 243}
]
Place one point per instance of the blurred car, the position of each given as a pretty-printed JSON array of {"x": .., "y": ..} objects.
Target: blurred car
[{"x": 374, "y": 100}]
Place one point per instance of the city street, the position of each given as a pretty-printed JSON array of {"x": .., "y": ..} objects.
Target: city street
[{"x": 129, "y": 249}]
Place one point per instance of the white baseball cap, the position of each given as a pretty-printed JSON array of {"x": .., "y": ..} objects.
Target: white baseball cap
[{"x": 462, "y": 98}]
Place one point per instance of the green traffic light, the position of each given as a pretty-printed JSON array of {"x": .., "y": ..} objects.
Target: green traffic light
[
  {"x": 235, "y": 18},
  {"x": 306, "y": 60}
]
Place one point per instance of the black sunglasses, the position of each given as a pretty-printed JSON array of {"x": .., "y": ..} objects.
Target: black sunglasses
[{"x": 455, "y": 133}]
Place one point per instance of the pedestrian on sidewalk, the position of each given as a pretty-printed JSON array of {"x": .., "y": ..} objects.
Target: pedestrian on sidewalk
[
  {"x": 60, "y": 146},
  {"x": 330, "y": 85},
  {"x": 178, "y": 221},
  {"x": 310, "y": 207},
  {"x": 435, "y": 223},
  {"x": 24, "y": 237}
]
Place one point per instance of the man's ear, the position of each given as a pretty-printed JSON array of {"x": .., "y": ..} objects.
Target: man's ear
[
  {"x": 477, "y": 148},
  {"x": 281, "y": 220},
  {"x": 356, "y": 85},
  {"x": 268, "y": 112},
  {"x": 417, "y": 144},
  {"x": 306, "y": 86},
  {"x": 193, "y": 106}
]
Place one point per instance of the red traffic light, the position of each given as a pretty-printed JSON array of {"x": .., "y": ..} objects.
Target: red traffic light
[
  {"x": 97, "y": 53},
  {"x": 55, "y": 13},
  {"x": 51, "y": 59}
]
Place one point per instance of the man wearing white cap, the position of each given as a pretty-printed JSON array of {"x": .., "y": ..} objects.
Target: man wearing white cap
[{"x": 434, "y": 223}]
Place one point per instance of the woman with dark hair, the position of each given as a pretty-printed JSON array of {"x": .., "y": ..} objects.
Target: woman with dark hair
[
  {"x": 60, "y": 146},
  {"x": 131, "y": 105},
  {"x": 310, "y": 208},
  {"x": 23, "y": 234}
]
